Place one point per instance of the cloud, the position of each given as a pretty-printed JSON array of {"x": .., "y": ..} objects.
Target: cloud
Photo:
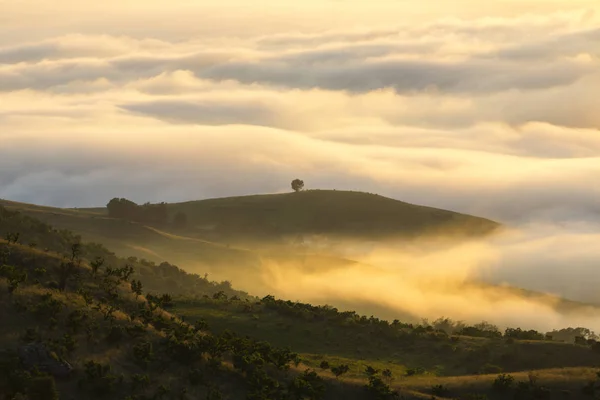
[
  {"x": 423, "y": 279},
  {"x": 570, "y": 44},
  {"x": 406, "y": 63},
  {"x": 209, "y": 113},
  {"x": 76, "y": 46},
  {"x": 407, "y": 76}
]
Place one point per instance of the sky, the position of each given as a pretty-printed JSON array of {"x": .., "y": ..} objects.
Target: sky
[{"x": 488, "y": 108}]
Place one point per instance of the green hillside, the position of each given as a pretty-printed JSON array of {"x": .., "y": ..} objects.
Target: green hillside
[
  {"x": 334, "y": 212},
  {"x": 127, "y": 238},
  {"x": 205, "y": 340},
  {"x": 231, "y": 236},
  {"x": 344, "y": 213}
]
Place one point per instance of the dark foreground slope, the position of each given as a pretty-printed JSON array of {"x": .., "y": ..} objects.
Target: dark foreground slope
[
  {"x": 76, "y": 328},
  {"x": 217, "y": 343}
]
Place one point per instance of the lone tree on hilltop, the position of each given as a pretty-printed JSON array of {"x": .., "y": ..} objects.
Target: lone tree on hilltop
[{"x": 297, "y": 185}]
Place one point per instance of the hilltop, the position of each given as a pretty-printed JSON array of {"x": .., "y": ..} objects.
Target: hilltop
[
  {"x": 330, "y": 212},
  {"x": 273, "y": 216}
]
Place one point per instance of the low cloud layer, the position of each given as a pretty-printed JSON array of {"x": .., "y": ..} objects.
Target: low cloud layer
[{"x": 431, "y": 279}]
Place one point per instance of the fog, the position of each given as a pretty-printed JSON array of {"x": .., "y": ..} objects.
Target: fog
[
  {"x": 487, "y": 108},
  {"x": 470, "y": 281}
]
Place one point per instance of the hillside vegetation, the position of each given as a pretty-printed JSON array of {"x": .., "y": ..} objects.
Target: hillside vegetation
[
  {"x": 125, "y": 329},
  {"x": 128, "y": 238},
  {"x": 96, "y": 335}
]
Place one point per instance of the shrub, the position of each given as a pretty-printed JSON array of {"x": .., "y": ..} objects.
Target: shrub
[
  {"x": 143, "y": 353},
  {"x": 415, "y": 371},
  {"x": 503, "y": 382},
  {"x": 52, "y": 285},
  {"x": 75, "y": 321},
  {"x": 48, "y": 307},
  {"x": 135, "y": 330},
  {"x": 139, "y": 381},
  {"x": 214, "y": 394},
  {"x": 43, "y": 388},
  {"x": 201, "y": 325},
  {"x": 387, "y": 374},
  {"x": 115, "y": 335},
  {"x": 308, "y": 386},
  {"x": 340, "y": 370},
  {"x": 69, "y": 343},
  {"x": 99, "y": 377},
  {"x": 378, "y": 390},
  {"x": 480, "y": 330},
  {"x": 518, "y": 333},
  {"x": 30, "y": 335},
  {"x": 196, "y": 376},
  {"x": 440, "y": 390}
]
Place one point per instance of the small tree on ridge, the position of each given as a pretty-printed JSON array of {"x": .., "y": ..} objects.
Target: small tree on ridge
[{"x": 297, "y": 185}]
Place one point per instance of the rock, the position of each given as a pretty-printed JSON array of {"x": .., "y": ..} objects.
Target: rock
[{"x": 37, "y": 355}]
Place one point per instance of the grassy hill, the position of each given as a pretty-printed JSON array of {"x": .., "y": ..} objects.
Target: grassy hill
[
  {"x": 127, "y": 238},
  {"x": 332, "y": 212},
  {"x": 209, "y": 341},
  {"x": 231, "y": 236}
]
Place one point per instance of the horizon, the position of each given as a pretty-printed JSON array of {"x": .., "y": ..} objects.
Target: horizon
[{"x": 184, "y": 201}]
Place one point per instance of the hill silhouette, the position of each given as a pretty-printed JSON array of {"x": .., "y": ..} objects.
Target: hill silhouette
[{"x": 333, "y": 212}]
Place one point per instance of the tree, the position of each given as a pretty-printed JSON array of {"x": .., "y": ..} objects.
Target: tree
[
  {"x": 96, "y": 264},
  {"x": 12, "y": 238},
  {"x": 297, "y": 185},
  {"x": 340, "y": 370},
  {"x": 503, "y": 382},
  {"x": 146, "y": 213},
  {"x": 14, "y": 276},
  {"x": 378, "y": 390},
  {"x": 70, "y": 267},
  {"x": 136, "y": 287},
  {"x": 122, "y": 208}
]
